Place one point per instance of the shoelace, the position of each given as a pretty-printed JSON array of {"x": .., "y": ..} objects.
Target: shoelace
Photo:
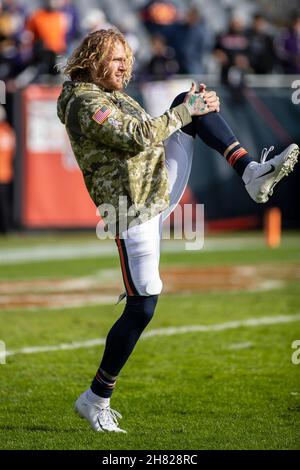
[
  {"x": 110, "y": 416},
  {"x": 264, "y": 154}
]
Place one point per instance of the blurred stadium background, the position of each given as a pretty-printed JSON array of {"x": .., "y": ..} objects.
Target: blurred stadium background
[{"x": 59, "y": 282}]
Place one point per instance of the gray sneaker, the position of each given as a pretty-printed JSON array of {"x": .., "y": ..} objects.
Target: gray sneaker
[{"x": 261, "y": 178}]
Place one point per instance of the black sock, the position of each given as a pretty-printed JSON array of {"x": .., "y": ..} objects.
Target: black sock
[
  {"x": 121, "y": 341},
  {"x": 217, "y": 134},
  {"x": 103, "y": 384},
  {"x": 238, "y": 157}
]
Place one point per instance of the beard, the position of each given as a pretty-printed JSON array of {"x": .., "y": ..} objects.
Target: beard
[{"x": 111, "y": 83}]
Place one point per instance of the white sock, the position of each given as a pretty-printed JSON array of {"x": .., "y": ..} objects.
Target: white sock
[{"x": 93, "y": 398}]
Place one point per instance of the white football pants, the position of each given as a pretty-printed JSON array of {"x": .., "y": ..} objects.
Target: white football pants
[{"x": 139, "y": 246}]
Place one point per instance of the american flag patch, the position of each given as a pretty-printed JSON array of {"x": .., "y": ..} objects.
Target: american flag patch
[{"x": 102, "y": 114}]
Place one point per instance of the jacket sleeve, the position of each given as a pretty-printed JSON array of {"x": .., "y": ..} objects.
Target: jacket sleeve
[{"x": 103, "y": 122}]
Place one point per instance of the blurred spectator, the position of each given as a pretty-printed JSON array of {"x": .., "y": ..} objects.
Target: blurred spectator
[
  {"x": 163, "y": 63},
  {"x": 17, "y": 15},
  {"x": 232, "y": 52},
  {"x": 72, "y": 18},
  {"x": 10, "y": 31},
  {"x": 191, "y": 40},
  {"x": 48, "y": 26},
  {"x": 7, "y": 150},
  {"x": 261, "y": 46},
  {"x": 160, "y": 18},
  {"x": 288, "y": 46},
  {"x": 15, "y": 50}
]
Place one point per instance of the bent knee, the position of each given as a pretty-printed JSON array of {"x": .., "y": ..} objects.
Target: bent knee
[
  {"x": 154, "y": 287},
  {"x": 150, "y": 287}
]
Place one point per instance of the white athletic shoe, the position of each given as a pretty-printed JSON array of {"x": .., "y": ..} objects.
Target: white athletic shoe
[
  {"x": 100, "y": 419},
  {"x": 261, "y": 178}
]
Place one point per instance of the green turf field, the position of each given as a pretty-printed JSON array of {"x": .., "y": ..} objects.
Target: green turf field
[{"x": 231, "y": 386}]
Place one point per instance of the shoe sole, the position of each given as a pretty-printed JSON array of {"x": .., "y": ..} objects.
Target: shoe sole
[{"x": 287, "y": 167}]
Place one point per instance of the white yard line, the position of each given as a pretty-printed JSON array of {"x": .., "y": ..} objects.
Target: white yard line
[
  {"x": 251, "y": 322},
  {"x": 238, "y": 346}
]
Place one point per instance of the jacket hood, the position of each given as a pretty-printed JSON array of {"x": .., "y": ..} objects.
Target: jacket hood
[
  {"x": 64, "y": 98},
  {"x": 70, "y": 89}
]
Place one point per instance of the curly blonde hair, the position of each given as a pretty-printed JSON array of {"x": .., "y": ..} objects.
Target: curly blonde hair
[{"x": 90, "y": 61}]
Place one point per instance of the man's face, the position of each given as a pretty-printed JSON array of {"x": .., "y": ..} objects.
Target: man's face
[{"x": 114, "y": 79}]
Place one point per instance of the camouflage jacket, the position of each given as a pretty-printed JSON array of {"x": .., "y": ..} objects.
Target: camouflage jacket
[{"x": 119, "y": 148}]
